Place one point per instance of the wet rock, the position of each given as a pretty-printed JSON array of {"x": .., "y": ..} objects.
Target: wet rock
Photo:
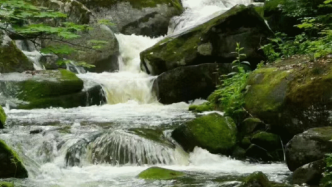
[
  {"x": 75, "y": 153},
  {"x": 157, "y": 173},
  {"x": 10, "y": 165},
  {"x": 250, "y": 125},
  {"x": 213, "y": 132},
  {"x": 189, "y": 83},
  {"x": 258, "y": 153},
  {"x": 267, "y": 140},
  {"x": 105, "y": 58},
  {"x": 288, "y": 101},
  {"x": 239, "y": 153},
  {"x": 3, "y": 118},
  {"x": 43, "y": 89},
  {"x": 150, "y": 18},
  {"x": 310, "y": 146},
  {"x": 257, "y": 179},
  {"x": 36, "y": 131},
  {"x": 210, "y": 42},
  {"x": 11, "y": 58},
  {"x": 310, "y": 173}
]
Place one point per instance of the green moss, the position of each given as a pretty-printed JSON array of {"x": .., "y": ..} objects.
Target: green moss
[
  {"x": 12, "y": 59},
  {"x": 270, "y": 85},
  {"x": 214, "y": 132},
  {"x": 157, "y": 173},
  {"x": 6, "y": 184},
  {"x": 273, "y": 4},
  {"x": 12, "y": 163},
  {"x": 207, "y": 106},
  {"x": 257, "y": 179},
  {"x": 152, "y": 134},
  {"x": 3, "y": 118},
  {"x": 260, "y": 10},
  {"x": 266, "y": 140},
  {"x": 47, "y": 84}
]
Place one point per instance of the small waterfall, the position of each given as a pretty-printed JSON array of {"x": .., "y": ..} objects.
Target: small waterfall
[
  {"x": 197, "y": 12},
  {"x": 123, "y": 148},
  {"x": 29, "y": 49}
]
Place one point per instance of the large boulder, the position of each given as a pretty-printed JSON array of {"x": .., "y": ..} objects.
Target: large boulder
[
  {"x": 10, "y": 165},
  {"x": 310, "y": 146},
  {"x": 157, "y": 173},
  {"x": 140, "y": 17},
  {"x": 42, "y": 89},
  {"x": 98, "y": 46},
  {"x": 213, "y": 132},
  {"x": 213, "y": 41},
  {"x": 287, "y": 100},
  {"x": 189, "y": 83},
  {"x": 3, "y": 118},
  {"x": 11, "y": 58}
]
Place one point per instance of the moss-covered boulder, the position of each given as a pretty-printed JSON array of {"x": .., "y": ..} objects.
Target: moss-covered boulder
[
  {"x": 42, "y": 89},
  {"x": 250, "y": 125},
  {"x": 267, "y": 140},
  {"x": 157, "y": 173},
  {"x": 147, "y": 17},
  {"x": 213, "y": 132},
  {"x": 189, "y": 83},
  {"x": 210, "y": 42},
  {"x": 10, "y": 165},
  {"x": 11, "y": 58},
  {"x": 310, "y": 146},
  {"x": 290, "y": 96},
  {"x": 257, "y": 179},
  {"x": 3, "y": 118},
  {"x": 103, "y": 59}
]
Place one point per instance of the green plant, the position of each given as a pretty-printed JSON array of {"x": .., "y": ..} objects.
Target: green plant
[
  {"x": 22, "y": 19},
  {"x": 231, "y": 90},
  {"x": 327, "y": 179}
]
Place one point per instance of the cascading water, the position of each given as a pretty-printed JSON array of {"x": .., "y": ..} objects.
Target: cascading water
[{"x": 109, "y": 145}]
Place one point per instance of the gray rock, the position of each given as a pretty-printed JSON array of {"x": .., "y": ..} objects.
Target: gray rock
[
  {"x": 213, "y": 41},
  {"x": 189, "y": 83},
  {"x": 310, "y": 173},
  {"x": 310, "y": 146}
]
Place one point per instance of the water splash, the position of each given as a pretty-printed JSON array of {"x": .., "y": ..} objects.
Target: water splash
[{"x": 28, "y": 48}]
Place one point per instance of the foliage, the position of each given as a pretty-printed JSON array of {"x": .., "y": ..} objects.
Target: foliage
[
  {"x": 327, "y": 179},
  {"x": 229, "y": 93},
  {"x": 315, "y": 41},
  {"x": 24, "y": 20}
]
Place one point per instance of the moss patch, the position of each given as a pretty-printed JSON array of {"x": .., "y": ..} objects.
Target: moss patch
[
  {"x": 213, "y": 132},
  {"x": 11, "y": 58},
  {"x": 10, "y": 165},
  {"x": 257, "y": 179},
  {"x": 3, "y": 118},
  {"x": 6, "y": 184},
  {"x": 157, "y": 173}
]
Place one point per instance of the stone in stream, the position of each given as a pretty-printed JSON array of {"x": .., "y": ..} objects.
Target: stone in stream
[
  {"x": 257, "y": 179},
  {"x": 281, "y": 96},
  {"x": 140, "y": 17},
  {"x": 10, "y": 164},
  {"x": 3, "y": 118},
  {"x": 210, "y": 42},
  {"x": 11, "y": 58},
  {"x": 42, "y": 89},
  {"x": 6, "y": 184},
  {"x": 310, "y": 146},
  {"x": 157, "y": 173},
  {"x": 311, "y": 173},
  {"x": 213, "y": 132},
  {"x": 189, "y": 83}
]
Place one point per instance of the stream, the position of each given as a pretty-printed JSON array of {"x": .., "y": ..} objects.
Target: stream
[{"x": 109, "y": 145}]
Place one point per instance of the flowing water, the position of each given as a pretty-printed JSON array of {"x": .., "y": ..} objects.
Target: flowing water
[{"x": 110, "y": 145}]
